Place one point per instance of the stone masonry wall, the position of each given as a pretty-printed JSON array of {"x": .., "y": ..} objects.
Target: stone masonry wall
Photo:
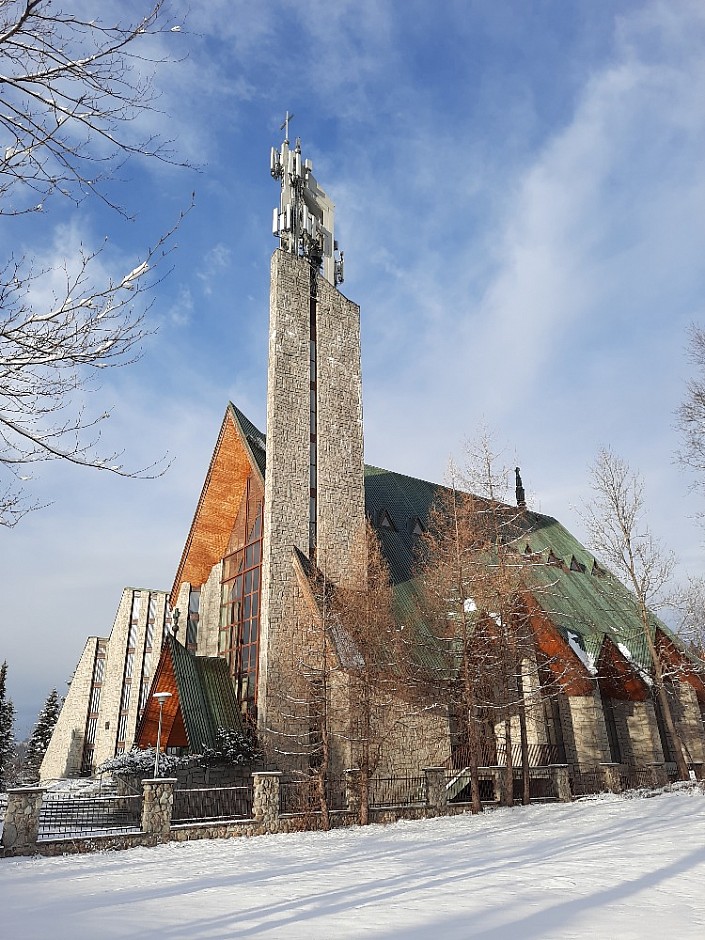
[
  {"x": 341, "y": 483},
  {"x": 209, "y": 613},
  {"x": 415, "y": 741},
  {"x": 643, "y": 745},
  {"x": 112, "y": 683},
  {"x": 19, "y": 835},
  {"x": 587, "y": 731},
  {"x": 65, "y": 750},
  {"x": 690, "y": 724},
  {"x": 286, "y": 499}
]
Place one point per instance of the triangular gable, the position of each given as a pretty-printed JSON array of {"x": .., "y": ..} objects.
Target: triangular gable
[
  {"x": 680, "y": 663},
  {"x": 173, "y": 731},
  {"x": 618, "y": 677},
  {"x": 238, "y": 453},
  {"x": 569, "y": 672},
  {"x": 202, "y": 700}
]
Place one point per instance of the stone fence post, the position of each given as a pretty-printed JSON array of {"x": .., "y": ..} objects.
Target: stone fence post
[
  {"x": 498, "y": 784},
  {"x": 157, "y": 806},
  {"x": 21, "y": 827},
  {"x": 611, "y": 777},
  {"x": 561, "y": 783},
  {"x": 352, "y": 789},
  {"x": 435, "y": 788},
  {"x": 265, "y": 799}
]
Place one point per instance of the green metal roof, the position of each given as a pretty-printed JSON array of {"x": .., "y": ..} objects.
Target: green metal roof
[
  {"x": 588, "y": 604},
  {"x": 206, "y": 695},
  {"x": 256, "y": 440},
  {"x": 579, "y": 602}
]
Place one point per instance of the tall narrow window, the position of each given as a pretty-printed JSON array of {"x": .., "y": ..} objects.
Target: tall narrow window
[
  {"x": 126, "y": 692},
  {"x": 611, "y": 726},
  {"x": 238, "y": 640},
  {"x": 194, "y": 602},
  {"x": 93, "y": 708},
  {"x": 313, "y": 415},
  {"x": 148, "y": 652}
]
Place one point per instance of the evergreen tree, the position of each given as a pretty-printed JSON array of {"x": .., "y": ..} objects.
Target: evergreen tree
[
  {"x": 40, "y": 737},
  {"x": 7, "y": 736}
]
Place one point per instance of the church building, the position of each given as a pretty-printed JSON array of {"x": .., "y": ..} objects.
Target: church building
[{"x": 285, "y": 509}]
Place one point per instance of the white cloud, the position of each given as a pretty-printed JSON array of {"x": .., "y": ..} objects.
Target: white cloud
[{"x": 216, "y": 260}]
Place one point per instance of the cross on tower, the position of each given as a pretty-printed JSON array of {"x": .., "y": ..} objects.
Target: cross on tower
[{"x": 285, "y": 126}]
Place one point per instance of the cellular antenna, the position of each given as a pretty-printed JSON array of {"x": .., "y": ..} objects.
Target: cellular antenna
[{"x": 303, "y": 223}]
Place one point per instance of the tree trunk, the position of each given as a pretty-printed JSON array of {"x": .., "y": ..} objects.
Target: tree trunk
[
  {"x": 681, "y": 764},
  {"x": 509, "y": 771},
  {"x": 525, "y": 776},
  {"x": 474, "y": 751}
]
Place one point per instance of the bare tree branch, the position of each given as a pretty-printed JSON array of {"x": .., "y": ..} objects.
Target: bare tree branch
[
  {"x": 70, "y": 91},
  {"x": 619, "y": 534}
]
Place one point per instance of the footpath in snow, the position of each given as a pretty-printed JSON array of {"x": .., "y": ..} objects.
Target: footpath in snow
[{"x": 599, "y": 869}]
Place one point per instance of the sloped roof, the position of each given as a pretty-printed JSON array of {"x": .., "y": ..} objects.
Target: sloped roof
[
  {"x": 203, "y": 697},
  {"x": 583, "y": 600},
  {"x": 238, "y": 453}
]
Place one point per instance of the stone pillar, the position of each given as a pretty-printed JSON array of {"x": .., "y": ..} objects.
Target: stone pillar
[
  {"x": 265, "y": 799},
  {"x": 157, "y": 805},
  {"x": 435, "y": 787},
  {"x": 22, "y": 820},
  {"x": 498, "y": 784},
  {"x": 352, "y": 789},
  {"x": 561, "y": 783},
  {"x": 611, "y": 779}
]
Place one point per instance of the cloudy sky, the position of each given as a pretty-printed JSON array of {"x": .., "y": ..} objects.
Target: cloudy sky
[{"x": 520, "y": 195}]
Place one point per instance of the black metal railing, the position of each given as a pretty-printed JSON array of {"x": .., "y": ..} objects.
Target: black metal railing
[
  {"x": 587, "y": 782},
  {"x": 303, "y": 795},
  {"x": 458, "y": 787},
  {"x": 397, "y": 791},
  {"x": 636, "y": 778},
  {"x": 67, "y": 816},
  {"x": 212, "y": 803},
  {"x": 542, "y": 785},
  {"x": 539, "y": 755}
]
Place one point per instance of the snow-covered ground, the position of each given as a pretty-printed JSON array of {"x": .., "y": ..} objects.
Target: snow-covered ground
[{"x": 602, "y": 868}]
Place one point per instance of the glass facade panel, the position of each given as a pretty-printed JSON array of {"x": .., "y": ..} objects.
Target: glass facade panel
[{"x": 240, "y": 600}]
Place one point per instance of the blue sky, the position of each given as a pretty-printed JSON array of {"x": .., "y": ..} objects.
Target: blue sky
[{"x": 520, "y": 195}]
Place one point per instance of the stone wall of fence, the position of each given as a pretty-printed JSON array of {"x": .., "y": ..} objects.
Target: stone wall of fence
[
  {"x": 194, "y": 776},
  {"x": 436, "y": 792}
]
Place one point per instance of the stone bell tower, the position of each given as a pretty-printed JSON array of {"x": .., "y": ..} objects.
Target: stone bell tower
[{"x": 314, "y": 482}]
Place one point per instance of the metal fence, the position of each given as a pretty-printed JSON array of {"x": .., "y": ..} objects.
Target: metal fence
[
  {"x": 542, "y": 786},
  {"x": 68, "y": 816},
  {"x": 214, "y": 803},
  {"x": 539, "y": 755},
  {"x": 302, "y": 795},
  {"x": 586, "y": 782},
  {"x": 397, "y": 791},
  {"x": 458, "y": 789},
  {"x": 636, "y": 778}
]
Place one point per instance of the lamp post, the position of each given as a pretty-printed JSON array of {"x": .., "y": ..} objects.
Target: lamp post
[{"x": 161, "y": 697}]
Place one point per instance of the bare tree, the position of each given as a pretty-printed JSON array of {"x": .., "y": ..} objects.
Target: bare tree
[
  {"x": 616, "y": 523},
  {"x": 690, "y": 601},
  {"x": 477, "y": 595},
  {"x": 691, "y": 413},
  {"x": 71, "y": 88},
  {"x": 368, "y": 640}
]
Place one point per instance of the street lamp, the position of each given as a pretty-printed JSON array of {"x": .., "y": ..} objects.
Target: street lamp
[{"x": 161, "y": 697}]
